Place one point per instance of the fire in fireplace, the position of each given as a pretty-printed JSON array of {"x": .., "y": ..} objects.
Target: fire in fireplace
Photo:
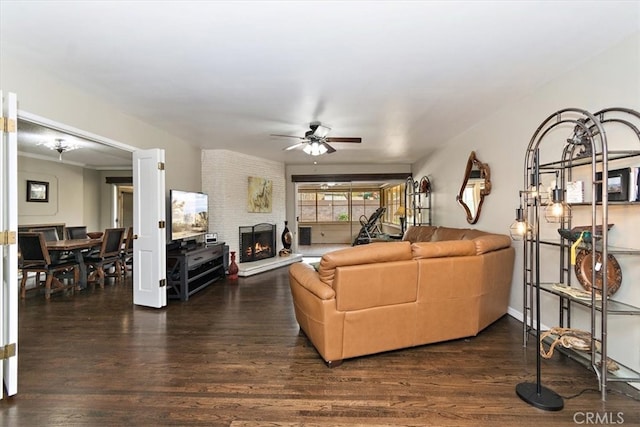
[{"x": 257, "y": 242}]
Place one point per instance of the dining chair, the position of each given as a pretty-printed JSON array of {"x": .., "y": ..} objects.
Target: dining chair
[
  {"x": 127, "y": 252},
  {"x": 35, "y": 258},
  {"x": 50, "y": 233},
  {"x": 77, "y": 232},
  {"x": 108, "y": 256}
]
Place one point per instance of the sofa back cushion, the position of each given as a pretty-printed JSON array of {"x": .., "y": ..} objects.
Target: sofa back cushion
[
  {"x": 368, "y": 286},
  {"x": 447, "y": 233},
  {"x": 451, "y": 248},
  {"x": 491, "y": 242},
  {"x": 419, "y": 233},
  {"x": 362, "y": 255},
  {"x": 484, "y": 242}
]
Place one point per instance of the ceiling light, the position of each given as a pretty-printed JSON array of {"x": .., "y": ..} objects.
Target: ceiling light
[
  {"x": 315, "y": 148},
  {"x": 60, "y": 145}
]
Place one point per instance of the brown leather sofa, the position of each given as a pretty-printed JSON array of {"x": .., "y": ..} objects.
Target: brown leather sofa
[{"x": 436, "y": 284}]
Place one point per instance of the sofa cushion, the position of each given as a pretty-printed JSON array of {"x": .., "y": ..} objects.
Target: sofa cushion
[
  {"x": 360, "y": 287},
  {"x": 363, "y": 254},
  {"x": 447, "y": 233},
  {"x": 421, "y": 250},
  {"x": 491, "y": 242},
  {"x": 419, "y": 233}
]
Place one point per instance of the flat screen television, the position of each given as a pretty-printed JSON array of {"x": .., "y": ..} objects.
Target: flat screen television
[{"x": 189, "y": 214}]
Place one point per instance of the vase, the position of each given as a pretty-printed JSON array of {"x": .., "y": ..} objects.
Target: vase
[
  {"x": 233, "y": 267},
  {"x": 286, "y": 238}
]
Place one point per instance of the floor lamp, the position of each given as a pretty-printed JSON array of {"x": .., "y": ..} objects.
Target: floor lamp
[{"x": 535, "y": 394}]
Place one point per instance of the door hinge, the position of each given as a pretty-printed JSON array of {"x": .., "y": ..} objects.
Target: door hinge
[
  {"x": 8, "y": 351},
  {"x": 8, "y": 125},
  {"x": 163, "y": 283},
  {"x": 7, "y": 237},
  {"x": 161, "y": 166},
  {"x": 162, "y": 224}
]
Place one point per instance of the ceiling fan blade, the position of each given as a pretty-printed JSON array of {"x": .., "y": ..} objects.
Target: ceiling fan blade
[
  {"x": 287, "y": 136},
  {"x": 291, "y": 147},
  {"x": 330, "y": 149},
  {"x": 342, "y": 139},
  {"x": 320, "y": 130}
]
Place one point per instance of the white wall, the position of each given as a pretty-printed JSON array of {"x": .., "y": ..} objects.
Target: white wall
[
  {"x": 610, "y": 79},
  {"x": 44, "y": 96},
  {"x": 225, "y": 179},
  {"x": 92, "y": 206},
  {"x": 77, "y": 196},
  {"x": 66, "y": 192}
]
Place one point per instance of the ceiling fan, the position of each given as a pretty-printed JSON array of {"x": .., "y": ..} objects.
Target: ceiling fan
[{"x": 315, "y": 141}]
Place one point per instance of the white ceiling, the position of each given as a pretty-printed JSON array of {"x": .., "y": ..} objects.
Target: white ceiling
[
  {"x": 89, "y": 153},
  {"x": 406, "y": 76}
]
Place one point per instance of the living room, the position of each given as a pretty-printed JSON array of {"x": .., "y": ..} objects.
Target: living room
[{"x": 607, "y": 78}]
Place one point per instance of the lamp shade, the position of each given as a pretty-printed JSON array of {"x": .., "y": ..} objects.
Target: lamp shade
[
  {"x": 557, "y": 210},
  {"x": 315, "y": 148}
]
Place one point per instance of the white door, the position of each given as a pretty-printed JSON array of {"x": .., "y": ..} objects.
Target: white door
[
  {"x": 8, "y": 243},
  {"x": 149, "y": 244}
]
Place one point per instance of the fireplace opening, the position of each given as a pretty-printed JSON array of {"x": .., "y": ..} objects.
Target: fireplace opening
[{"x": 257, "y": 242}]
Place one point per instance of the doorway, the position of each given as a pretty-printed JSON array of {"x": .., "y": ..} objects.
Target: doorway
[{"x": 124, "y": 217}]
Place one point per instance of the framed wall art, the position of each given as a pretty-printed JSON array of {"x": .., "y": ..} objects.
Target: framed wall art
[
  {"x": 260, "y": 194},
  {"x": 37, "y": 191},
  {"x": 617, "y": 185}
]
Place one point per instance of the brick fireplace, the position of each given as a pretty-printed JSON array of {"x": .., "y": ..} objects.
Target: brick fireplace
[{"x": 257, "y": 242}]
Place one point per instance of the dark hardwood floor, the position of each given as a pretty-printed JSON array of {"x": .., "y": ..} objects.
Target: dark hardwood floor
[{"x": 233, "y": 356}]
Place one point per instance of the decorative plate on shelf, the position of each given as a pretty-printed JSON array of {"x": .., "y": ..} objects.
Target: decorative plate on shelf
[{"x": 583, "y": 272}]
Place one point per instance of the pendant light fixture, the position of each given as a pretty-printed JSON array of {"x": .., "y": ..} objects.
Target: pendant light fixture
[
  {"x": 557, "y": 210},
  {"x": 60, "y": 145}
]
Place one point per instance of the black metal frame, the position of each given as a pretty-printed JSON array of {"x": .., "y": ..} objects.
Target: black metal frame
[{"x": 587, "y": 146}]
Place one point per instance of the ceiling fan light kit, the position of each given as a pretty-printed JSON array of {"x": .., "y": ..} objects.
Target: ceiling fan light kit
[
  {"x": 315, "y": 149},
  {"x": 315, "y": 140}
]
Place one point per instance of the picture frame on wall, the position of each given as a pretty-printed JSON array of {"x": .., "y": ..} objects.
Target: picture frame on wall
[
  {"x": 617, "y": 185},
  {"x": 37, "y": 191}
]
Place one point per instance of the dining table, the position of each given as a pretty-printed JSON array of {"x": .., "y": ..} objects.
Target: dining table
[{"x": 77, "y": 247}]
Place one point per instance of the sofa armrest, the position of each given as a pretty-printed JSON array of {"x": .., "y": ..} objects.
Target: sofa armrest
[{"x": 306, "y": 276}]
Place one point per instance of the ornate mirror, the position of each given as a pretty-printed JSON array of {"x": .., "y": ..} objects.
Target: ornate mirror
[{"x": 475, "y": 186}]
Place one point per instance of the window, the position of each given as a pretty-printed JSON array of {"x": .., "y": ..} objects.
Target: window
[
  {"x": 364, "y": 203},
  {"x": 332, "y": 206},
  {"x": 393, "y": 199},
  {"x": 307, "y": 206},
  {"x": 337, "y": 205}
]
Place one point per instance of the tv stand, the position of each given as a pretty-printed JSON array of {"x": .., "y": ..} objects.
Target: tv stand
[{"x": 192, "y": 269}]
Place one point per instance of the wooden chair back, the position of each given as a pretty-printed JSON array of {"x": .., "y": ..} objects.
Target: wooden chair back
[
  {"x": 128, "y": 244},
  {"x": 50, "y": 233},
  {"x": 77, "y": 232},
  {"x": 33, "y": 249},
  {"x": 112, "y": 242}
]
